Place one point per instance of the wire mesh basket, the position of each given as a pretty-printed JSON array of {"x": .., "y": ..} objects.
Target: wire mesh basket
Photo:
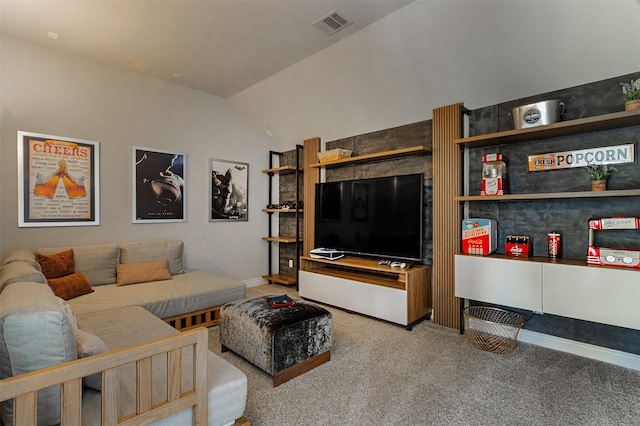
[{"x": 492, "y": 329}]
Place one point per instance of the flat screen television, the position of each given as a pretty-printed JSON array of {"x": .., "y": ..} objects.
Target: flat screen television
[{"x": 376, "y": 217}]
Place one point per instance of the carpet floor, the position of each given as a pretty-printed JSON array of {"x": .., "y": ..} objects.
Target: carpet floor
[{"x": 382, "y": 374}]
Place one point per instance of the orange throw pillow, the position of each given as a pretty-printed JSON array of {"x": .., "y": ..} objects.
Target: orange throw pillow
[
  {"x": 143, "y": 272},
  {"x": 70, "y": 286},
  {"x": 57, "y": 265}
]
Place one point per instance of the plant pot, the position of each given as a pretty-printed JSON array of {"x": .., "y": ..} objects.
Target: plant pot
[
  {"x": 598, "y": 185},
  {"x": 632, "y": 105}
]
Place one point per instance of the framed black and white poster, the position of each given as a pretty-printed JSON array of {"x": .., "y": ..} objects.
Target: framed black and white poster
[
  {"x": 58, "y": 181},
  {"x": 229, "y": 190},
  {"x": 158, "y": 186}
]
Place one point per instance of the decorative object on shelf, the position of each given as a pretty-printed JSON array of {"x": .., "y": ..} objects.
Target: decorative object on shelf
[
  {"x": 286, "y": 205},
  {"x": 58, "y": 181},
  {"x": 228, "y": 197},
  {"x": 554, "y": 244},
  {"x": 479, "y": 236},
  {"x": 333, "y": 155},
  {"x": 599, "y": 173},
  {"x": 612, "y": 154},
  {"x": 537, "y": 114},
  {"x": 631, "y": 94},
  {"x": 518, "y": 246},
  {"x": 628, "y": 258},
  {"x": 494, "y": 175}
]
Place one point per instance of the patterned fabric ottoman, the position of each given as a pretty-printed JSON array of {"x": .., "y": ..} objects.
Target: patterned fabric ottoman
[{"x": 285, "y": 342}]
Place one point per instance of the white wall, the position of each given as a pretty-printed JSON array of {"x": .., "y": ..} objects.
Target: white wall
[
  {"x": 49, "y": 92},
  {"x": 434, "y": 53}
]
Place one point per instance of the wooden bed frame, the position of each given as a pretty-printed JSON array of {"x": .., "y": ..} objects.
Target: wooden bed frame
[{"x": 23, "y": 388}]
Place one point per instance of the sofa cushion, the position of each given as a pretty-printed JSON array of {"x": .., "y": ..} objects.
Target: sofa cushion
[
  {"x": 19, "y": 271},
  {"x": 56, "y": 265},
  {"x": 88, "y": 344},
  {"x": 34, "y": 333},
  {"x": 189, "y": 292},
  {"x": 70, "y": 286},
  {"x": 227, "y": 384},
  {"x": 145, "y": 251},
  {"x": 22, "y": 255},
  {"x": 66, "y": 308},
  {"x": 97, "y": 262},
  {"x": 143, "y": 272}
]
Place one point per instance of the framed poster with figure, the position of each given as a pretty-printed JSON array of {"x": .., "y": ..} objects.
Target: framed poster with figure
[
  {"x": 158, "y": 193},
  {"x": 229, "y": 191},
  {"x": 58, "y": 181}
]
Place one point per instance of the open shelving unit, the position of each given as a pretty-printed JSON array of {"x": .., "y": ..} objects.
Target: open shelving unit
[
  {"x": 563, "y": 128},
  {"x": 283, "y": 277},
  {"x": 400, "y": 296},
  {"x": 378, "y": 156},
  {"x": 551, "y": 195},
  {"x": 565, "y": 287}
]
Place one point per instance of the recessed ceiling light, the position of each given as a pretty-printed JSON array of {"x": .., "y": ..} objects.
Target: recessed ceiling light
[
  {"x": 177, "y": 75},
  {"x": 53, "y": 36}
]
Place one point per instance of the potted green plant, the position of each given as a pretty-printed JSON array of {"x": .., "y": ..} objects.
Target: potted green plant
[
  {"x": 631, "y": 94},
  {"x": 599, "y": 173}
]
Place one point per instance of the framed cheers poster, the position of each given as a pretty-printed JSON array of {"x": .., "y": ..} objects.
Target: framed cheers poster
[{"x": 57, "y": 181}]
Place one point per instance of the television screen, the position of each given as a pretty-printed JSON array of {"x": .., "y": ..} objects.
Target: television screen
[{"x": 377, "y": 217}]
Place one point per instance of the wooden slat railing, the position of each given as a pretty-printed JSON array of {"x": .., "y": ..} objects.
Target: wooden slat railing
[{"x": 23, "y": 389}]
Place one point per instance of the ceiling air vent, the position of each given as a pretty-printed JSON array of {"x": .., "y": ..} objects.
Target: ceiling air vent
[{"x": 332, "y": 23}]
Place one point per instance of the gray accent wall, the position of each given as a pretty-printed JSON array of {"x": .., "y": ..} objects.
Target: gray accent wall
[
  {"x": 569, "y": 216},
  {"x": 387, "y": 140}
]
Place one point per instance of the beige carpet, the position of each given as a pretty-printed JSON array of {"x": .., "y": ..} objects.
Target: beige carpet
[{"x": 381, "y": 374}]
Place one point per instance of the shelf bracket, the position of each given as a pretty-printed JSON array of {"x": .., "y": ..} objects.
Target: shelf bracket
[{"x": 465, "y": 111}]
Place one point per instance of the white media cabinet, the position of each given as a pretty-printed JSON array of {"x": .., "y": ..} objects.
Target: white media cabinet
[
  {"x": 566, "y": 287},
  {"x": 401, "y": 296}
]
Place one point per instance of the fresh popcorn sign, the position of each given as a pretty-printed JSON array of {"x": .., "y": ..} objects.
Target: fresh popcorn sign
[{"x": 567, "y": 159}]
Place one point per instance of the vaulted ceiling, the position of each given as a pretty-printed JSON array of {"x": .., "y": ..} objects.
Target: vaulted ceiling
[{"x": 217, "y": 46}]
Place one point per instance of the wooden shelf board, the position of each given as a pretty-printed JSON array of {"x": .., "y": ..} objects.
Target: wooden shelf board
[
  {"x": 283, "y": 170},
  {"x": 363, "y": 264},
  {"x": 286, "y": 279},
  {"x": 562, "y": 128},
  {"x": 281, "y": 210},
  {"x": 282, "y": 239},
  {"x": 378, "y": 156},
  {"x": 551, "y": 195},
  {"x": 360, "y": 275},
  {"x": 542, "y": 259}
]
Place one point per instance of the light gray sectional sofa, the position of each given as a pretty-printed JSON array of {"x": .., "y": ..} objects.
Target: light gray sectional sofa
[{"x": 39, "y": 330}]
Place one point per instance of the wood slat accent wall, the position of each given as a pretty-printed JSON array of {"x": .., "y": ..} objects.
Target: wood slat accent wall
[
  {"x": 447, "y": 160},
  {"x": 311, "y": 177}
]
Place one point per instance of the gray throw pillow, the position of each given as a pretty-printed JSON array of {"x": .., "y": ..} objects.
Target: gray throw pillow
[{"x": 87, "y": 345}]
